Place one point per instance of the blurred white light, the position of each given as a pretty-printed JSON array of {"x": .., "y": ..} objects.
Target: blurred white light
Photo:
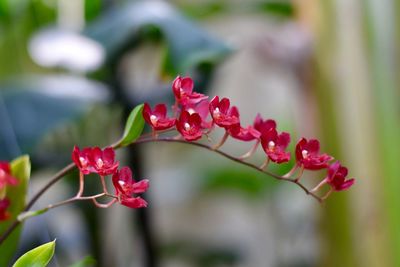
[{"x": 66, "y": 49}]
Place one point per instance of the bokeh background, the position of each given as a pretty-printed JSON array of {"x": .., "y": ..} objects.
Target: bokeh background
[{"x": 71, "y": 70}]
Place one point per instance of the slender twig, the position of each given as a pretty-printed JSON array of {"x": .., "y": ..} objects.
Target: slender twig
[
  {"x": 223, "y": 140},
  {"x": 278, "y": 177},
  {"x": 103, "y": 183},
  {"x": 54, "y": 179}
]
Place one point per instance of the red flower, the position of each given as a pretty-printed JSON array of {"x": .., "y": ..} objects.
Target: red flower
[
  {"x": 104, "y": 161},
  {"x": 5, "y": 175},
  {"x": 95, "y": 160},
  {"x": 125, "y": 187},
  {"x": 221, "y": 113},
  {"x": 337, "y": 177},
  {"x": 307, "y": 154},
  {"x": 4, "y": 215},
  {"x": 189, "y": 126},
  {"x": 275, "y": 145},
  {"x": 263, "y": 126},
  {"x": 244, "y": 134},
  {"x": 203, "y": 110},
  {"x": 158, "y": 117},
  {"x": 183, "y": 91}
]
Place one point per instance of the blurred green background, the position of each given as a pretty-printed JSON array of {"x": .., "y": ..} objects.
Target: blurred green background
[{"x": 70, "y": 71}]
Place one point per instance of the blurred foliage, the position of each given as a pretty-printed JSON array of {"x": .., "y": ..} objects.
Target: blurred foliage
[
  {"x": 188, "y": 46},
  {"x": 241, "y": 179},
  {"x": 88, "y": 261},
  {"x": 200, "y": 254},
  {"x": 31, "y": 107}
]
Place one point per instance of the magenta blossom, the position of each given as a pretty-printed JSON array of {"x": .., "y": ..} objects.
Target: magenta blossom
[
  {"x": 275, "y": 144},
  {"x": 203, "y": 110},
  {"x": 263, "y": 126},
  {"x": 157, "y": 118},
  {"x": 5, "y": 175},
  {"x": 307, "y": 155},
  {"x": 244, "y": 134},
  {"x": 125, "y": 187},
  {"x": 95, "y": 160},
  {"x": 189, "y": 126},
  {"x": 183, "y": 91},
  {"x": 222, "y": 114},
  {"x": 4, "y": 203},
  {"x": 337, "y": 177}
]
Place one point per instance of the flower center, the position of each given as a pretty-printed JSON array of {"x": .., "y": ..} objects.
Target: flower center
[
  {"x": 83, "y": 161},
  {"x": 99, "y": 163},
  {"x": 153, "y": 119},
  {"x": 216, "y": 112},
  {"x": 191, "y": 111},
  {"x": 271, "y": 145},
  {"x": 187, "y": 126},
  {"x": 304, "y": 153}
]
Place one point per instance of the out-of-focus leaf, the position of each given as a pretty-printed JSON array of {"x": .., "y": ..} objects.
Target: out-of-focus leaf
[
  {"x": 21, "y": 169},
  {"x": 37, "y": 257},
  {"x": 31, "y": 107},
  {"x": 134, "y": 126},
  {"x": 188, "y": 45},
  {"x": 85, "y": 262},
  {"x": 243, "y": 180},
  {"x": 282, "y": 8}
]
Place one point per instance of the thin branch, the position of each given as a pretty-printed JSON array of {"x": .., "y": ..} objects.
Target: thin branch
[
  {"x": 278, "y": 177},
  {"x": 54, "y": 179}
]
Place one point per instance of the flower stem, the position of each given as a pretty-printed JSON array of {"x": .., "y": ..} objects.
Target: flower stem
[
  {"x": 103, "y": 183},
  {"x": 223, "y": 140},
  {"x": 319, "y": 185},
  {"x": 251, "y": 152},
  {"x": 265, "y": 164},
  {"x": 291, "y": 172}
]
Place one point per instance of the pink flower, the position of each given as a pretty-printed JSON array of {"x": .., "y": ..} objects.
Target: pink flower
[
  {"x": 189, "y": 126},
  {"x": 263, "y": 126},
  {"x": 4, "y": 215},
  {"x": 221, "y": 113},
  {"x": 203, "y": 110},
  {"x": 244, "y": 134},
  {"x": 158, "y": 117},
  {"x": 125, "y": 187},
  {"x": 275, "y": 145},
  {"x": 337, "y": 177},
  {"x": 307, "y": 154},
  {"x": 5, "y": 175},
  {"x": 183, "y": 91},
  {"x": 95, "y": 160}
]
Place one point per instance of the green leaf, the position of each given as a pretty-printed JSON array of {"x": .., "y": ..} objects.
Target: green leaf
[
  {"x": 37, "y": 257},
  {"x": 133, "y": 127},
  {"x": 20, "y": 169},
  {"x": 85, "y": 262}
]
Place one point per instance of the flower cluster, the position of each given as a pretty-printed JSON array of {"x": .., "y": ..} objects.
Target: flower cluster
[
  {"x": 196, "y": 116},
  {"x": 102, "y": 162},
  {"x": 6, "y": 179}
]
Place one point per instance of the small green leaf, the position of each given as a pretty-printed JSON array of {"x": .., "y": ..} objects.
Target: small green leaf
[
  {"x": 37, "y": 257},
  {"x": 88, "y": 261},
  {"x": 20, "y": 169},
  {"x": 133, "y": 127}
]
